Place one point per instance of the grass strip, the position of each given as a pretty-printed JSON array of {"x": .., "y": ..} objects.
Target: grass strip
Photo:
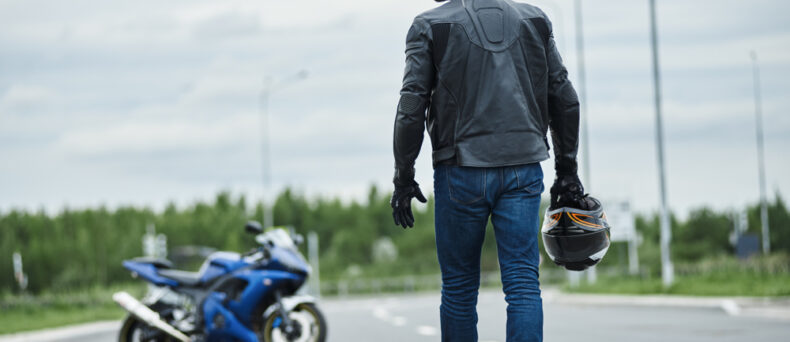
[{"x": 715, "y": 284}]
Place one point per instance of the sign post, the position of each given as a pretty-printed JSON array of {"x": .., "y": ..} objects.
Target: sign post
[
  {"x": 312, "y": 256},
  {"x": 19, "y": 273},
  {"x": 154, "y": 245}
]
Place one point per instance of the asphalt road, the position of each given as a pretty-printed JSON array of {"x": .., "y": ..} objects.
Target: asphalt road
[{"x": 415, "y": 318}]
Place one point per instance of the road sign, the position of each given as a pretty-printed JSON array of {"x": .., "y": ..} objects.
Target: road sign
[
  {"x": 623, "y": 229},
  {"x": 621, "y": 219},
  {"x": 154, "y": 245}
]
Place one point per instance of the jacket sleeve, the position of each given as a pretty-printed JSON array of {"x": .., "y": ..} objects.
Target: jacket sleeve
[
  {"x": 563, "y": 111},
  {"x": 418, "y": 83}
]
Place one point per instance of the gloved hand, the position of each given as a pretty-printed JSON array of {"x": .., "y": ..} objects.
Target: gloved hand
[
  {"x": 401, "y": 203},
  {"x": 568, "y": 191}
]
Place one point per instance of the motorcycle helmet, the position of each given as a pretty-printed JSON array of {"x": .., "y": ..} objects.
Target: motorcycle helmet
[{"x": 575, "y": 238}]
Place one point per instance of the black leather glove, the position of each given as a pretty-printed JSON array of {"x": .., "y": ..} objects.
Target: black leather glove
[
  {"x": 401, "y": 203},
  {"x": 568, "y": 191}
]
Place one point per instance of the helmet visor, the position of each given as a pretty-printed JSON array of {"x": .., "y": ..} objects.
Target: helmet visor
[{"x": 575, "y": 247}]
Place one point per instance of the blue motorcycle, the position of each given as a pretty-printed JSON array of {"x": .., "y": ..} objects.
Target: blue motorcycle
[{"x": 234, "y": 297}]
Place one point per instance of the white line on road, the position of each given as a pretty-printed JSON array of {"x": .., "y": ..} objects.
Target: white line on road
[
  {"x": 426, "y": 330},
  {"x": 730, "y": 307},
  {"x": 398, "y": 321},
  {"x": 384, "y": 315},
  {"x": 381, "y": 313}
]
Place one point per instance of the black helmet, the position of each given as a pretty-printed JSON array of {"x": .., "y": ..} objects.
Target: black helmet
[{"x": 575, "y": 238}]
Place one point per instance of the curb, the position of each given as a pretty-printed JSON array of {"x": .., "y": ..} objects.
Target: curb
[{"x": 58, "y": 334}]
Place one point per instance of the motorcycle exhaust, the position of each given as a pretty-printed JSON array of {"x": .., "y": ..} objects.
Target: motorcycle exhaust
[{"x": 147, "y": 315}]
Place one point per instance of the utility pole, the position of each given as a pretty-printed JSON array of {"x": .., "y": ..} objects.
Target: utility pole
[
  {"x": 582, "y": 87},
  {"x": 267, "y": 213},
  {"x": 558, "y": 24},
  {"x": 758, "y": 112},
  {"x": 592, "y": 274},
  {"x": 312, "y": 256},
  {"x": 667, "y": 271},
  {"x": 266, "y": 172}
]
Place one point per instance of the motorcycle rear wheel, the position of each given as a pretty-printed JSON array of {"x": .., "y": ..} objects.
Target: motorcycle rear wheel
[
  {"x": 132, "y": 331},
  {"x": 311, "y": 322}
]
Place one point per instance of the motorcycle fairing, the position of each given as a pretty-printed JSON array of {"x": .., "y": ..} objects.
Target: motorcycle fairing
[
  {"x": 244, "y": 305},
  {"x": 226, "y": 326}
]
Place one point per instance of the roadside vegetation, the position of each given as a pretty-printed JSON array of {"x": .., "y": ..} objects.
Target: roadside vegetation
[
  {"x": 73, "y": 258},
  {"x": 722, "y": 276},
  {"x": 52, "y": 308}
]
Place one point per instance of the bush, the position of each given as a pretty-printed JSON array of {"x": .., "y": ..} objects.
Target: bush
[{"x": 75, "y": 249}]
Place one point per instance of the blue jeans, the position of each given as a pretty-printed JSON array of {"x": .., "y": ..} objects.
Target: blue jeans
[{"x": 465, "y": 199}]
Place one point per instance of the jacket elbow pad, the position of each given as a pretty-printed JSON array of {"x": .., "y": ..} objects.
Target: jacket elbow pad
[{"x": 410, "y": 104}]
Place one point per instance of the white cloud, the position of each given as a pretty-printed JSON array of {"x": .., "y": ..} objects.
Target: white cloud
[
  {"x": 148, "y": 137},
  {"x": 25, "y": 99},
  {"x": 147, "y": 101}
]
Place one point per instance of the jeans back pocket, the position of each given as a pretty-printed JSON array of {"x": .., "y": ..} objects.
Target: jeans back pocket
[
  {"x": 530, "y": 178},
  {"x": 466, "y": 184}
]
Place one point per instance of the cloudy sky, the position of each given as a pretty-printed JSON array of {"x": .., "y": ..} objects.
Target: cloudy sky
[{"x": 145, "y": 102}]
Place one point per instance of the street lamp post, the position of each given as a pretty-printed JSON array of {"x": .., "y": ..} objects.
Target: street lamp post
[
  {"x": 758, "y": 112},
  {"x": 266, "y": 175},
  {"x": 667, "y": 271},
  {"x": 558, "y": 21},
  {"x": 574, "y": 278},
  {"x": 583, "y": 93},
  {"x": 592, "y": 274}
]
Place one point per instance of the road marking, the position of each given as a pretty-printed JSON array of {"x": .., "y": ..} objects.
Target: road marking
[
  {"x": 426, "y": 330},
  {"x": 398, "y": 321},
  {"x": 730, "y": 307},
  {"x": 384, "y": 315},
  {"x": 381, "y": 313}
]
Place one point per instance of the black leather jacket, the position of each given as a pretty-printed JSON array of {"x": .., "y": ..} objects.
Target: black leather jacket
[{"x": 492, "y": 82}]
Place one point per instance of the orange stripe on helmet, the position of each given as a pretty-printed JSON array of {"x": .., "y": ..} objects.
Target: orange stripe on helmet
[
  {"x": 577, "y": 218},
  {"x": 553, "y": 220}
]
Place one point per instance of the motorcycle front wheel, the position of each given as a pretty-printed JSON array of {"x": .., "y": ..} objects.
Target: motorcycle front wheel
[{"x": 308, "y": 321}]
